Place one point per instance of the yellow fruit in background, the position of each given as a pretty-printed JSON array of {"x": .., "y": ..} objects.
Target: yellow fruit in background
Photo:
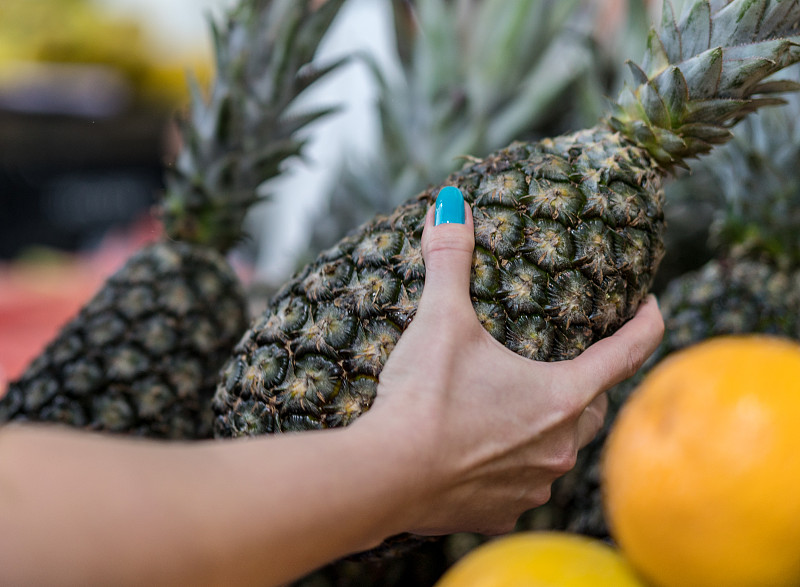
[
  {"x": 542, "y": 559},
  {"x": 701, "y": 471}
]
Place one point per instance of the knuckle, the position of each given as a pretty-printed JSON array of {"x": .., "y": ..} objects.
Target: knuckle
[{"x": 563, "y": 461}]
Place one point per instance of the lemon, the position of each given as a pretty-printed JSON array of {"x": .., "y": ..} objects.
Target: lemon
[{"x": 542, "y": 559}]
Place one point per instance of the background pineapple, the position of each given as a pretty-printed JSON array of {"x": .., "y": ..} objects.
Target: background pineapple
[
  {"x": 142, "y": 356},
  {"x": 568, "y": 231}
]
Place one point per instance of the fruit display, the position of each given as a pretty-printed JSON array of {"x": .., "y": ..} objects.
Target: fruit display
[
  {"x": 142, "y": 357},
  {"x": 568, "y": 232},
  {"x": 553, "y": 559},
  {"x": 701, "y": 472}
]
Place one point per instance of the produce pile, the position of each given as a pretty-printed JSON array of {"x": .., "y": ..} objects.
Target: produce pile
[{"x": 570, "y": 232}]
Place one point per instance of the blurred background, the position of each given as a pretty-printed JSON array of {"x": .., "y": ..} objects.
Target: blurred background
[{"x": 89, "y": 91}]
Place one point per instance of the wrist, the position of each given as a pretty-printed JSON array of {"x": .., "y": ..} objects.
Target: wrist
[{"x": 405, "y": 469}]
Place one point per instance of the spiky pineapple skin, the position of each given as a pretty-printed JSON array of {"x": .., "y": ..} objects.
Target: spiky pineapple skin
[
  {"x": 143, "y": 356},
  {"x": 568, "y": 237}
]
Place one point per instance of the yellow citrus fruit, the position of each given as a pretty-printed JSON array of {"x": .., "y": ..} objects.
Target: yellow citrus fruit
[
  {"x": 701, "y": 471},
  {"x": 542, "y": 559}
]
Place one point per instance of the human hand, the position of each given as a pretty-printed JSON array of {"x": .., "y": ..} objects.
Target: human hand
[{"x": 490, "y": 430}]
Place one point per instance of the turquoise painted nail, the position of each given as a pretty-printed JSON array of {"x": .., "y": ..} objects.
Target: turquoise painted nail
[{"x": 449, "y": 206}]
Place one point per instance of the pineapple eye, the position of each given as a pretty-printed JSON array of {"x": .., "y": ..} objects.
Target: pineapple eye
[
  {"x": 492, "y": 317},
  {"x": 532, "y": 337},
  {"x": 504, "y": 189},
  {"x": 547, "y": 166},
  {"x": 372, "y": 347},
  {"x": 251, "y": 418},
  {"x": 157, "y": 333},
  {"x": 571, "y": 342},
  {"x": 569, "y": 299},
  {"x": 548, "y": 244},
  {"x": 323, "y": 283},
  {"x": 67, "y": 348},
  {"x": 138, "y": 300},
  {"x": 632, "y": 253},
  {"x": 498, "y": 230},
  {"x": 626, "y": 205},
  {"x": 377, "y": 248},
  {"x": 351, "y": 404},
  {"x": 610, "y": 300},
  {"x": 38, "y": 392},
  {"x": 112, "y": 412},
  {"x": 64, "y": 411},
  {"x": 559, "y": 201},
  {"x": 82, "y": 377},
  {"x": 594, "y": 249},
  {"x": 125, "y": 363},
  {"x": 152, "y": 398},
  {"x": 332, "y": 328},
  {"x": 485, "y": 278},
  {"x": 369, "y": 292},
  {"x": 314, "y": 383},
  {"x": 186, "y": 376},
  {"x": 523, "y": 287},
  {"x": 267, "y": 368},
  {"x": 408, "y": 263},
  {"x": 176, "y": 297}
]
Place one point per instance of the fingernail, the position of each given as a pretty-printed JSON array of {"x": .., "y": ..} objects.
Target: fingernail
[{"x": 449, "y": 206}]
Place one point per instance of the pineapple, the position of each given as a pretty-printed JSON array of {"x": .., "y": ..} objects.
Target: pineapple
[
  {"x": 752, "y": 285},
  {"x": 142, "y": 357},
  {"x": 568, "y": 231}
]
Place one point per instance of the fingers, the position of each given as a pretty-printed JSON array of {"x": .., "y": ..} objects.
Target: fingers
[
  {"x": 614, "y": 359},
  {"x": 447, "y": 251}
]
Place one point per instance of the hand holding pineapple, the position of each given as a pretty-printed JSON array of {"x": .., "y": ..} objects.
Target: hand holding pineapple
[
  {"x": 491, "y": 429},
  {"x": 464, "y": 434}
]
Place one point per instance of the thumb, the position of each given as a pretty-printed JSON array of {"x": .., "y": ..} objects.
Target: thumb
[{"x": 447, "y": 244}]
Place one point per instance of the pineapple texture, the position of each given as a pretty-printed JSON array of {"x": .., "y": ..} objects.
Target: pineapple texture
[
  {"x": 142, "y": 357},
  {"x": 568, "y": 237}
]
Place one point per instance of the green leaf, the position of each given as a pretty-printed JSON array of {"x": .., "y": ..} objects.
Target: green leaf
[
  {"x": 709, "y": 133},
  {"x": 654, "y": 106},
  {"x": 737, "y": 23},
  {"x": 702, "y": 74},
  {"x": 655, "y": 59},
  {"x": 696, "y": 30},
  {"x": 738, "y": 76},
  {"x": 670, "y": 35},
  {"x": 716, "y": 110},
  {"x": 672, "y": 87},
  {"x": 776, "y": 87},
  {"x": 639, "y": 76}
]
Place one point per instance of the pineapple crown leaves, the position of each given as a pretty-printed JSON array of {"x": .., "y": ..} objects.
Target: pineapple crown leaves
[
  {"x": 238, "y": 136},
  {"x": 754, "y": 185},
  {"x": 704, "y": 72}
]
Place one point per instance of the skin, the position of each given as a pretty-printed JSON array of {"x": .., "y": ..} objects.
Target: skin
[{"x": 440, "y": 451}]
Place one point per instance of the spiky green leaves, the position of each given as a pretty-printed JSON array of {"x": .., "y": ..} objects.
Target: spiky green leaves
[
  {"x": 239, "y": 136},
  {"x": 703, "y": 73}
]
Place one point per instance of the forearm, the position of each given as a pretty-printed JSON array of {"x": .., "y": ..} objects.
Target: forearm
[{"x": 78, "y": 508}]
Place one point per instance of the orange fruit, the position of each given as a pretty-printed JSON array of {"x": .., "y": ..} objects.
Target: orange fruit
[
  {"x": 701, "y": 471},
  {"x": 542, "y": 559}
]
